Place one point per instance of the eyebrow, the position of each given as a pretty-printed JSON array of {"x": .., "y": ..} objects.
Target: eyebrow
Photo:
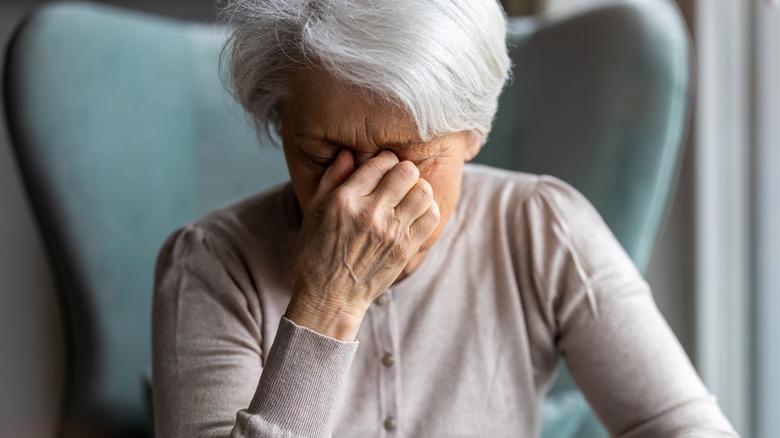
[{"x": 389, "y": 145}]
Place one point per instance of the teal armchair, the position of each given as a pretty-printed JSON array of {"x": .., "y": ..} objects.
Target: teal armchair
[{"x": 123, "y": 132}]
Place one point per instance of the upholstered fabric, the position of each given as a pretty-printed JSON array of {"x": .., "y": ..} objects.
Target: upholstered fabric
[
  {"x": 123, "y": 132},
  {"x": 600, "y": 100}
]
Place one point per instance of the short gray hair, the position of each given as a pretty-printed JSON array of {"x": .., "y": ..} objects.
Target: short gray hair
[{"x": 444, "y": 61}]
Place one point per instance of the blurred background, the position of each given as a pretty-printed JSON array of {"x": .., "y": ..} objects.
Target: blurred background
[{"x": 715, "y": 271}]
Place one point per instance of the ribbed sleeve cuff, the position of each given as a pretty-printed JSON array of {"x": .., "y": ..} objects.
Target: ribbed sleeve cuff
[{"x": 301, "y": 384}]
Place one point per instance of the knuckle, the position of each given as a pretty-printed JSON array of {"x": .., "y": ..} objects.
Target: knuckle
[
  {"x": 424, "y": 190},
  {"x": 375, "y": 168},
  {"x": 402, "y": 251},
  {"x": 425, "y": 185},
  {"x": 387, "y": 155},
  {"x": 408, "y": 170},
  {"x": 399, "y": 253},
  {"x": 434, "y": 214},
  {"x": 382, "y": 162},
  {"x": 371, "y": 219},
  {"x": 341, "y": 200}
]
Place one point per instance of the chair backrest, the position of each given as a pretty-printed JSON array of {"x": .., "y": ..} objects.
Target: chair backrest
[
  {"x": 123, "y": 132},
  {"x": 600, "y": 100}
]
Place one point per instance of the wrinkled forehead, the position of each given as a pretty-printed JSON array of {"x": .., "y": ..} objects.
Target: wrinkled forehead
[{"x": 322, "y": 106}]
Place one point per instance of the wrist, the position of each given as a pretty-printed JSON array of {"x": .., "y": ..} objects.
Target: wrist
[{"x": 338, "y": 321}]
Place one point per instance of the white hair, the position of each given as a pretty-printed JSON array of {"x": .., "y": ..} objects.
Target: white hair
[{"x": 444, "y": 61}]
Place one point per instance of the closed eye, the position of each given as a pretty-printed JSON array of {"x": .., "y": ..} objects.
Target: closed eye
[{"x": 322, "y": 162}]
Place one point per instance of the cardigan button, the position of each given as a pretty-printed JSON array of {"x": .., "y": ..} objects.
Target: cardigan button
[
  {"x": 388, "y": 359},
  {"x": 382, "y": 299},
  {"x": 390, "y": 424}
]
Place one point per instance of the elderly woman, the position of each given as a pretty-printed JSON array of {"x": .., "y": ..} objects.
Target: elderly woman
[{"x": 389, "y": 289}]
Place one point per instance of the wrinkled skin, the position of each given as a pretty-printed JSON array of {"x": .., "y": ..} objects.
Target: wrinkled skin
[{"x": 374, "y": 197}]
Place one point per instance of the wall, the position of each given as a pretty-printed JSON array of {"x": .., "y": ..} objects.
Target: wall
[{"x": 30, "y": 340}]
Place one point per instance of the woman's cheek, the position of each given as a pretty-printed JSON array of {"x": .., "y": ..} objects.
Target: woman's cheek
[
  {"x": 441, "y": 175},
  {"x": 305, "y": 182}
]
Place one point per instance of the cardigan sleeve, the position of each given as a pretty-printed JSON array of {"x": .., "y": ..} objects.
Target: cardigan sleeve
[
  {"x": 617, "y": 346},
  {"x": 207, "y": 359}
]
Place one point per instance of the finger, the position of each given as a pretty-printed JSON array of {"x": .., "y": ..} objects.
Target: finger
[
  {"x": 416, "y": 202},
  {"x": 338, "y": 172},
  {"x": 396, "y": 184},
  {"x": 367, "y": 176},
  {"x": 425, "y": 225}
]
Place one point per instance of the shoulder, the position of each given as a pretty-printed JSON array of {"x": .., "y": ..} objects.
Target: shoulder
[
  {"x": 235, "y": 234},
  {"x": 259, "y": 215},
  {"x": 480, "y": 181},
  {"x": 489, "y": 193},
  {"x": 541, "y": 212},
  {"x": 513, "y": 191}
]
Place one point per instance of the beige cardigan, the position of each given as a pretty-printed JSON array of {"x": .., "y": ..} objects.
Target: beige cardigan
[{"x": 467, "y": 345}]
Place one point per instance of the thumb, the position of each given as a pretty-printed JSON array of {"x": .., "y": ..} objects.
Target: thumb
[{"x": 337, "y": 173}]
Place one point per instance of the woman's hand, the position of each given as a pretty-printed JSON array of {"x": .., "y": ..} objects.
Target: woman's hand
[{"x": 360, "y": 229}]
